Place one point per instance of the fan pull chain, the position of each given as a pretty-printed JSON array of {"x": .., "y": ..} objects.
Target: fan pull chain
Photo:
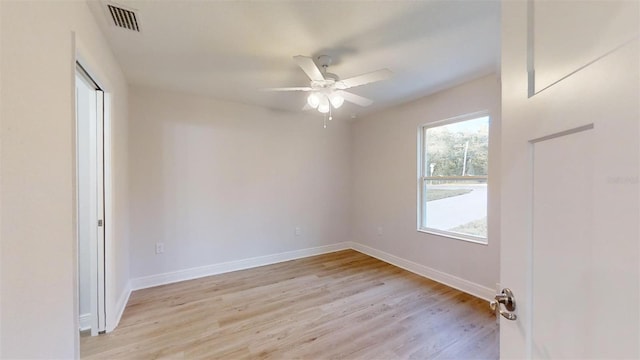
[{"x": 325, "y": 121}]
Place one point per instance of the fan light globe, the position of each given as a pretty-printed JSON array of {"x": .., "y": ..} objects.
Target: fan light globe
[
  {"x": 313, "y": 100},
  {"x": 336, "y": 100},
  {"x": 324, "y": 106}
]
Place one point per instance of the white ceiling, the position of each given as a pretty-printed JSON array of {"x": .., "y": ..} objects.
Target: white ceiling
[{"x": 230, "y": 50}]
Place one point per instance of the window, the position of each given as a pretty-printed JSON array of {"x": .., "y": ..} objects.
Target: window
[{"x": 453, "y": 174}]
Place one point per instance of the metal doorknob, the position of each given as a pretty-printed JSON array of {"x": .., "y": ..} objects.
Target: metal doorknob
[{"x": 507, "y": 299}]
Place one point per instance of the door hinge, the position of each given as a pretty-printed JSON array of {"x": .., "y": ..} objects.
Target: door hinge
[{"x": 100, "y": 222}]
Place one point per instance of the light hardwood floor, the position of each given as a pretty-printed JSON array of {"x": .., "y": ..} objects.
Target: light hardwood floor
[{"x": 343, "y": 305}]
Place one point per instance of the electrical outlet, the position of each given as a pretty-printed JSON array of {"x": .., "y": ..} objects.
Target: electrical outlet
[
  {"x": 159, "y": 248},
  {"x": 380, "y": 230},
  {"x": 298, "y": 231}
]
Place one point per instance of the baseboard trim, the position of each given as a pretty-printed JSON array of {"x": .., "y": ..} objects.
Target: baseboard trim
[
  {"x": 85, "y": 322},
  {"x": 455, "y": 282},
  {"x": 144, "y": 282},
  {"x": 120, "y": 306},
  {"x": 215, "y": 269}
]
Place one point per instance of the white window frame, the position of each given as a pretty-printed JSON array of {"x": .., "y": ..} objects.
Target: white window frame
[{"x": 422, "y": 178}]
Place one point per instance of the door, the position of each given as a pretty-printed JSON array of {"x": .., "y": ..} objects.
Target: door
[
  {"x": 90, "y": 202},
  {"x": 570, "y": 164}
]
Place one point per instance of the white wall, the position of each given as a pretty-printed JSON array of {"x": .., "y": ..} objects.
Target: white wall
[
  {"x": 218, "y": 181},
  {"x": 38, "y": 264},
  {"x": 385, "y": 183}
]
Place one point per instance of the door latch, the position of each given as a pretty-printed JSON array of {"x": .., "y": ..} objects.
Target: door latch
[
  {"x": 507, "y": 299},
  {"x": 100, "y": 222}
]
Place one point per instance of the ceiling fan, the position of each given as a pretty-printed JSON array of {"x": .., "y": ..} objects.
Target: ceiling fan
[{"x": 327, "y": 90}]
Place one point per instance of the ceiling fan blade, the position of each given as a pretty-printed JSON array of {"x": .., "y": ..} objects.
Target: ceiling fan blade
[
  {"x": 363, "y": 79},
  {"x": 309, "y": 67},
  {"x": 289, "y": 89},
  {"x": 356, "y": 99},
  {"x": 306, "y": 107}
]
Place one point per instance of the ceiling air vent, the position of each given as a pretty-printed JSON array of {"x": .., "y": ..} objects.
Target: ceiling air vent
[{"x": 123, "y": 18}]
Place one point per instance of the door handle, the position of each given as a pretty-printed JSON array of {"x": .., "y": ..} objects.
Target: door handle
[{"x": 507, "y": 299}]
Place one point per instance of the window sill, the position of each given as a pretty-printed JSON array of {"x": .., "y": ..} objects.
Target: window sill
[{"x": 445, "y": 234}]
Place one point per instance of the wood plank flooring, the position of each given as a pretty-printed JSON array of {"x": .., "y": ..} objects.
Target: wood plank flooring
[{"x": 343, "y": 305}]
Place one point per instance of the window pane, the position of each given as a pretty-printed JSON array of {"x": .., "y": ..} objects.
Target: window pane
[
  {"x": 457, "y": 149},
  {"x": 458, "y": 206}
]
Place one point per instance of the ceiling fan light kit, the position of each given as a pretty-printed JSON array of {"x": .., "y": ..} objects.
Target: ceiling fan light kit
[
  {"x": 322, "y": 101},
  {"x": 327, "y": 90}
]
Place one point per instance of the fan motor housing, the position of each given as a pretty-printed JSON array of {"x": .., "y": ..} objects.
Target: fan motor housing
[{"x": 323, "y": 84}]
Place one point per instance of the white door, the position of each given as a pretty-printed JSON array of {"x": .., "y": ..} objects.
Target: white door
[
  {"x": 570, "y": 163},
  {"x": 90, "y": 203}
]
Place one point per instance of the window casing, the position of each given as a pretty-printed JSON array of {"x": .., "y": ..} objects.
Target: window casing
[{"x": 453, "y": 177}]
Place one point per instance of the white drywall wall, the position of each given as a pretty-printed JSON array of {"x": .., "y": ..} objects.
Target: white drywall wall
[
  {"x": 39, "y": 256},
  {"x": 217, "y": 181},
  {"x": 385, "y": 183}
]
